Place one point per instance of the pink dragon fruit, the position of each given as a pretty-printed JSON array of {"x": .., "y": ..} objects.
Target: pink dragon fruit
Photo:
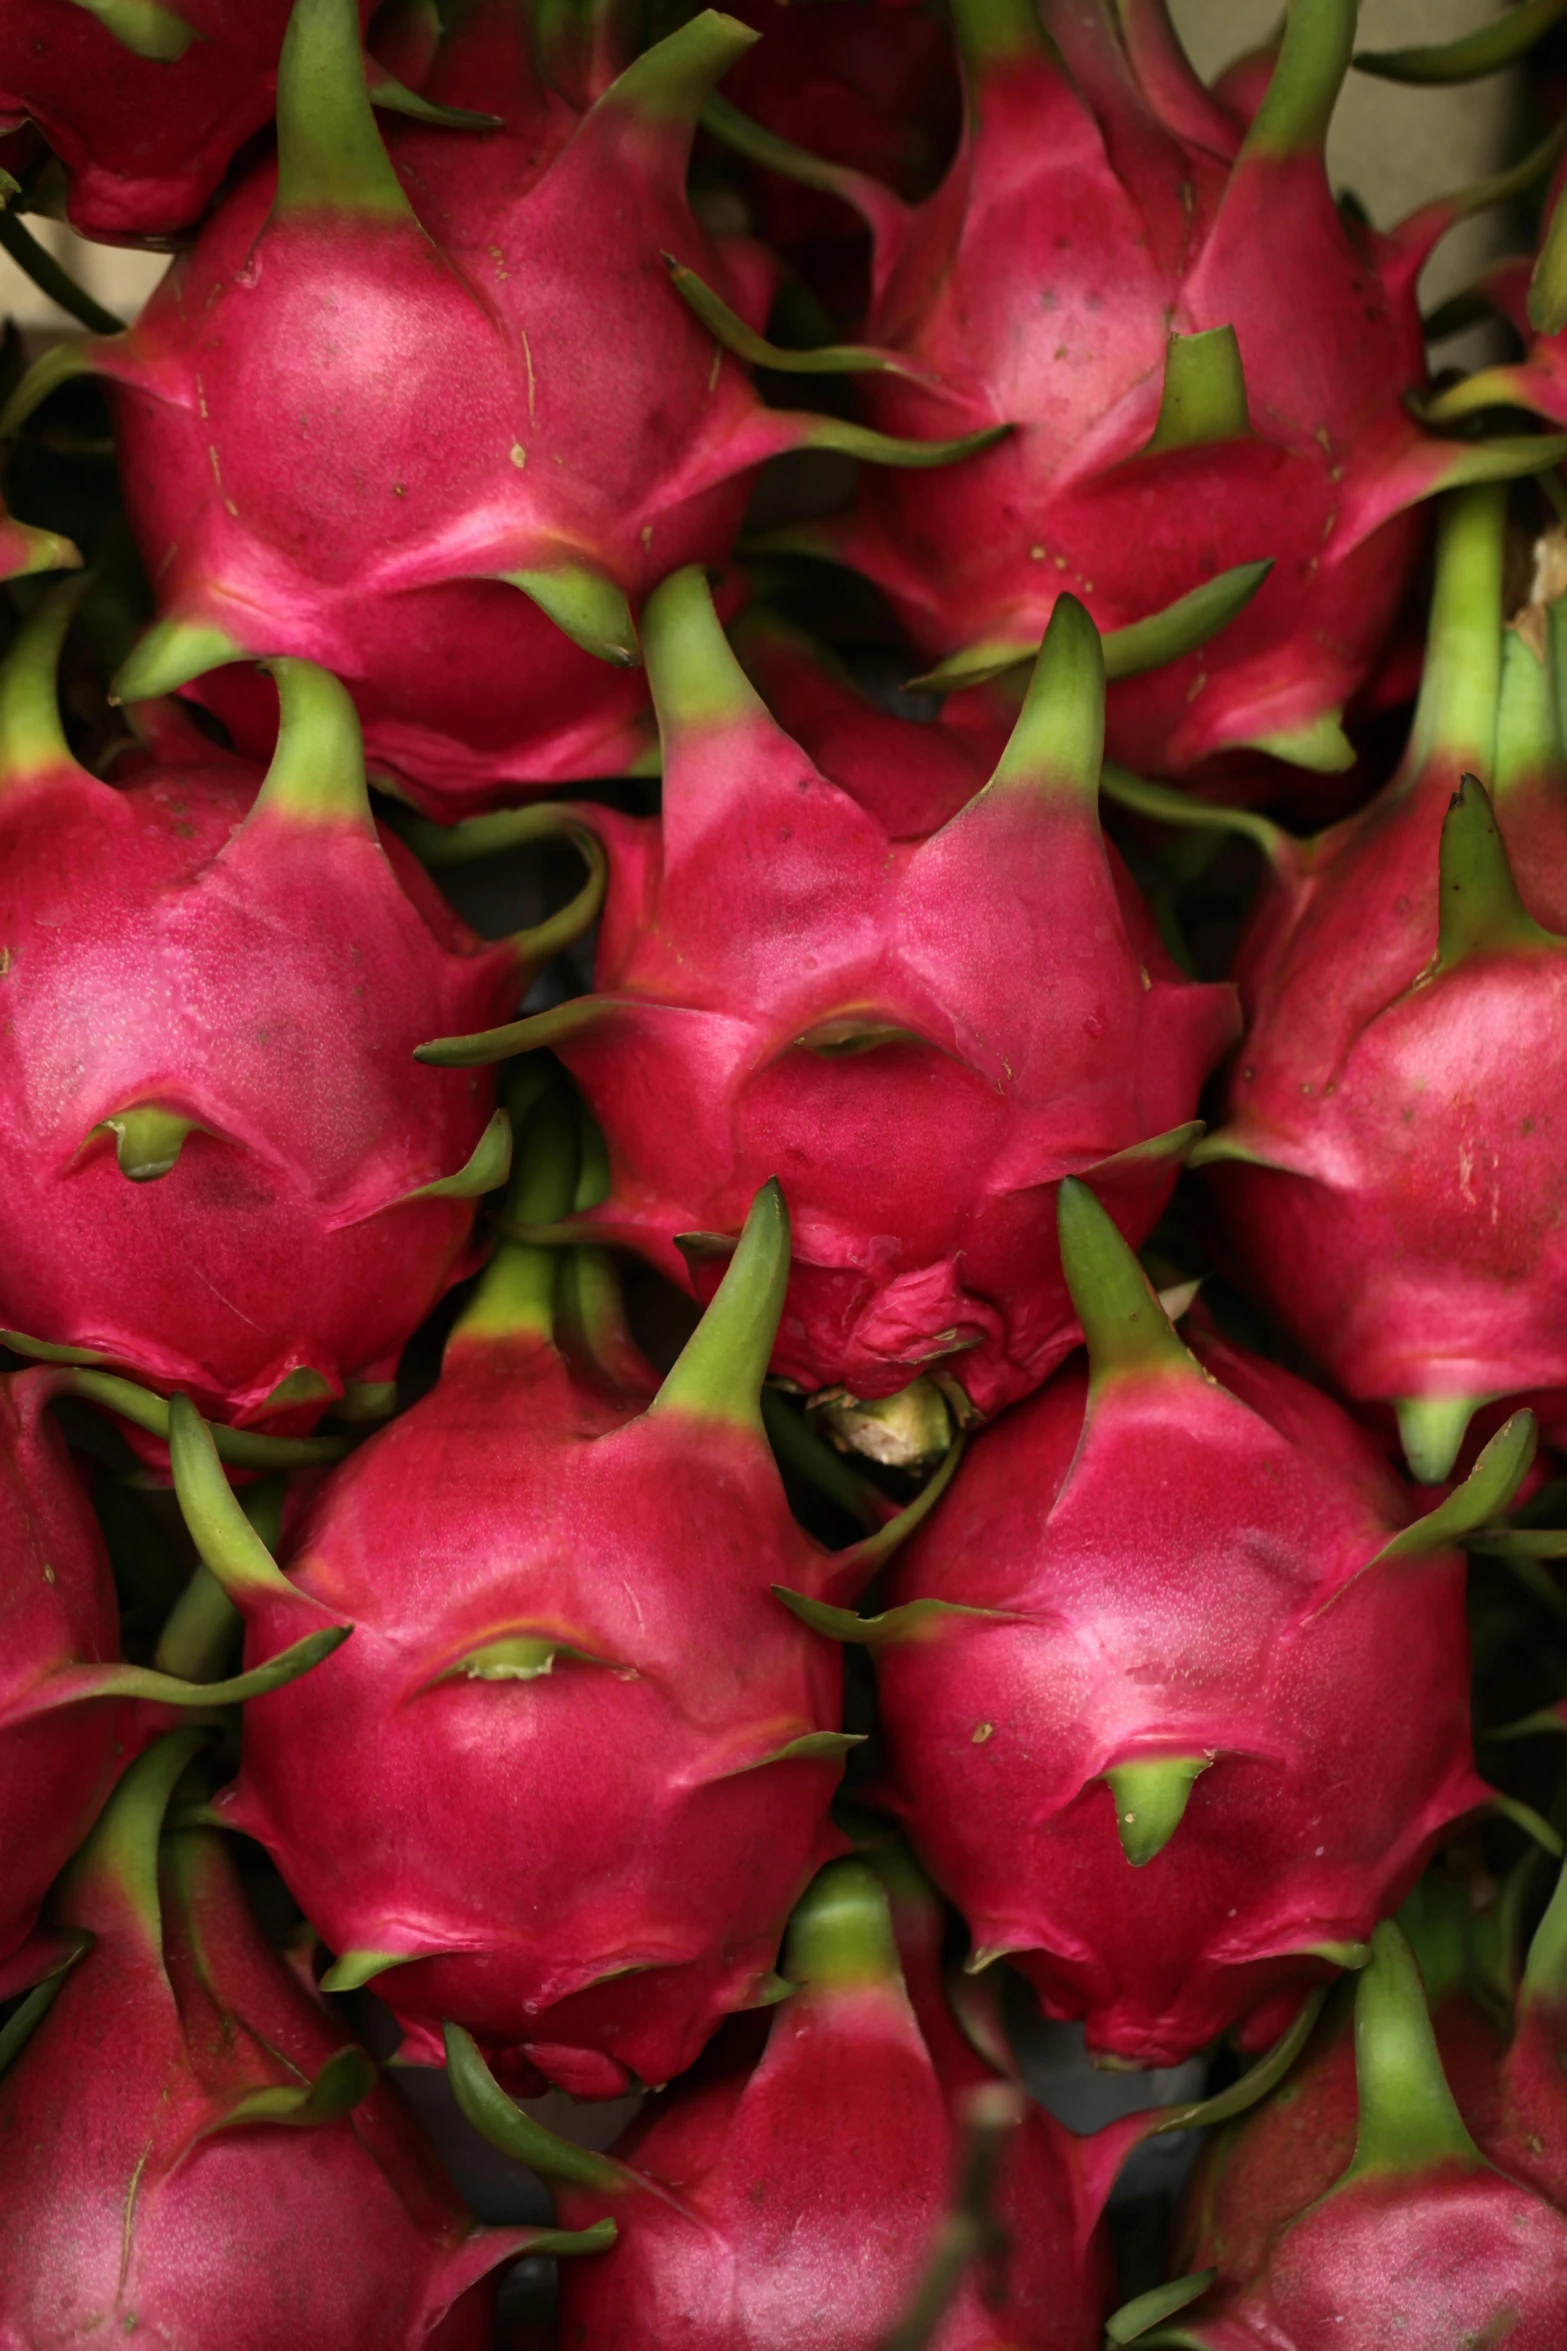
[
  {"x": 70, "y": 1710},
  {"x": 225, "y": 1173},
  {"x": 147, "y": 102},
  {"x": 1133, "y": 1681},
  {"x": 813, "y": 962},
  {"x": 791, "y": 2192},
  {"x": 283, "y": 479},
  {"x": 1368, "y": 2204},
  {"x": 1391, "y": 1169},
  {"x": 1207, "y": 364},
  {"x": 234, "y": 2173},
  {"x": 580, "y": 1760}
]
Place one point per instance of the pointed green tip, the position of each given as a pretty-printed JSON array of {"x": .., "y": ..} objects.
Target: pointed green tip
[
  {"x": 996, "y": 34},
  {"x": 1409, "y": 2120},
  {"x": 124, "y": 1845},
  {"x": 173, "y": 651},
  {"x": 1151, "y": 1795},
  {"x": 1204, "y": 397},
  {"x": 1479, "y": 909},
  {"x": 330, "y": 152},
  {"x": 1548, "y": 286},
  {"x": 1060, "y": 733},
  {"x": 1485, "y": 1493},
  {"x": 516, "y": 1295},
  {"x": 1545, "y": 1970},
  {"x": 586, "y": 605},
  {"x": 840, "y": 1935},
  {"x": 354, "y": 1969},
  {"x": 692, "y": 669},
  {"x": 32, "y": 738},
  {"x": 317, "y": 773},
  {"x": 1314, "y": 58},
  {"x": 1431, "y": 1430},
  {"x": 222, "y": 1533},
  {"x": 1124, "y": 1326},
  {"x": 720, "y": 1371},
  {"x": 144, "y": 27},
  {"x": 672, "y": 81}
]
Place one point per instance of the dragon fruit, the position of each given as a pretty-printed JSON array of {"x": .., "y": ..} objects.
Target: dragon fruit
[
  {"x": 868, "y": 83},
  {"x": 812, "y": 963},
  {"x": 147, "y": 102},
  {"x": 235, "y": 2173},
  {"x": 1207, "y": 363},
  {"x": 558, "y": 1581},
  {"x": 1133, "y": 1680},
  {"x": 285, "y": 482},
  {"x": 1369, "y": 2203},
  {"x": 70, "y": 1710},
  {"x": 1390, "y": 1172},
  {"x": 811, "y": 2172},
  {"x": 225, "y": 1173},
  {"x": 1530, "y": 293}
]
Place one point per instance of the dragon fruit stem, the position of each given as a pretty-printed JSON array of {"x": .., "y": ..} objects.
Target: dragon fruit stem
[
  {"x": 516, "y": 1292},
  {"x": 32, "y": 739},
  {"x": 692, "y": 672},
  {"x": 995, "y": 33},
  {"x": 124, "y": 1844},
  {"x": 1125, "y": 1327},
  {"x": 1455, "y": 716},
  {"x": 318, "y": 768},
  {"x": 330, "y": 152},
  {"x": 1318, "y": 45},
  {"x": 1529, "y": 736},
  {"x": 672, "y": 81},
  {"x": 1545, "y": 1969},
  {"x": 1409, "y": 2119},
  {"x": 719, "y": 1372}
]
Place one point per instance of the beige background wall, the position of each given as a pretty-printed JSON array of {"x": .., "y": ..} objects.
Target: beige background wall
[{"x": 1394, "y": 147}]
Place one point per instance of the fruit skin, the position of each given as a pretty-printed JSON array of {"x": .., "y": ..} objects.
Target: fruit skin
[
  {"x": 284, "y": 483},
  {"x": 1159, "y": 1608},
  {"x": 790, "y": 2191},
  {"x": 252, "y": 960},
  {"x": 1217, "y": 371},
  {"x": 577, "y": 1736},
  {"x": 235, "y": 2174},
  {"x": 72, "y": 1714},
  {"x": 1389, "y": 1172},
  {"x": 145, "y": 119},
  {"x": 57, "y": 1609},
  {"x": 811, "y": 963},
  {"x": 1405, "y": 2185}
]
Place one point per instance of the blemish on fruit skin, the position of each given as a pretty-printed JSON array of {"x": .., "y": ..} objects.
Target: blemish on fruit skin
[{"x": 981, "y": 1732}]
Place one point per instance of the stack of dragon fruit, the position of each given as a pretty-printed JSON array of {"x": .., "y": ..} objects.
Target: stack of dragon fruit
[{"x": 934, "y": 1397}]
